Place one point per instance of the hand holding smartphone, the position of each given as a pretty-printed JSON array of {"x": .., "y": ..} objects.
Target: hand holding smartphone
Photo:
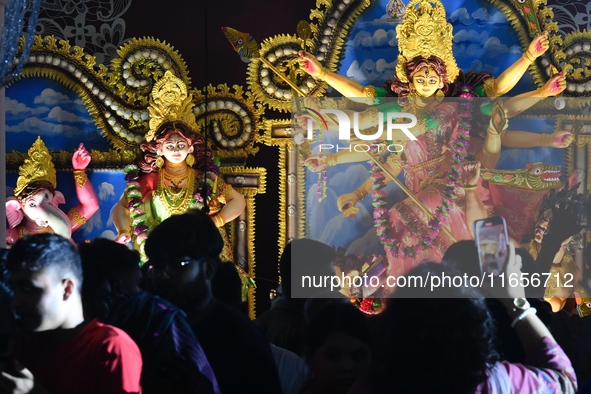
[{"x": 492, "y": 242}]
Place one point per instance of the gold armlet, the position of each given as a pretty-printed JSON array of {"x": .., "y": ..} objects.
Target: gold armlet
[
  {"x": 369, "y": 91},
  {"x": 528, "y": 57},
  {"x": 330, "y": 160},
  {"x": 490, "y": 87},
  {"x": 224, "y": 191},
  {"x": 76, "y": 218},
  {"x": 322, "y": 75},
  {"x": 218, "y": 219},
  {"x": 470, "y": 187},
  {"x": 80, "y": 177},
  {"x": 374, "y": 115}
]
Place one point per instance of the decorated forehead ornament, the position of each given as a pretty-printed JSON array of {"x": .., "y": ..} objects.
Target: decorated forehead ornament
[
  {"x": 425, "y": 32},
  {"x": 169, "y": 102},
  {"x": 37, "y": 167}
]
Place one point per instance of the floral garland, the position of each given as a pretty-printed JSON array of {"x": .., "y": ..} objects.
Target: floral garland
[
  {"x": 139, "y": 223},
  {"x": 370, "y": 306},
  {"x": 459, "y": 150}
]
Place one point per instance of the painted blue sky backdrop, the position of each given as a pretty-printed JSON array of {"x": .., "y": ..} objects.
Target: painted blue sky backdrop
[
  {"x": 43, "y": 107},
  {"x": 484, "y": 40}
]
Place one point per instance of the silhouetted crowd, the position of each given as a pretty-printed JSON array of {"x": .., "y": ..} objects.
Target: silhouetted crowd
[{"x": 90, "y": 319}]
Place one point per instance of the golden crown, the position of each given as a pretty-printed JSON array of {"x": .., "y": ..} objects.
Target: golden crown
[
  {"x": 169, "y": 102},
  {"x": 425, "y": 32},
  {"x": 37, "y": 167}
]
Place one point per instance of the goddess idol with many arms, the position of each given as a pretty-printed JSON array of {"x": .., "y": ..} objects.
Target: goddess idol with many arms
[
  {"x": 175, "y": 171},
  {"x": 445, "y": 134}
]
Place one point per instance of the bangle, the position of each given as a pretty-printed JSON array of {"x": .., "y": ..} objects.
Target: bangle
[
  {"x": 218, "y": 219},
  {"x": 492, "y": 131},
  {"x": 322, "y": 75},
  {"x": 528, "y": 57},
  {"x": 470, "y": 187},
  {"x": 80, "y": 177},
  {"x": 522, "y": 316},
  {"x": 540, "y": 92},
  {"x": 360, "y": 193},
  {"x": 544, "y": 140}
]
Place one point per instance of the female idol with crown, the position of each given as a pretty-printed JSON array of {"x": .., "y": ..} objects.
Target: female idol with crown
[
  {"x": 34, "y": 207},
  {"x": 175, "y": 172},
  {"x": 432, "y": 164}
]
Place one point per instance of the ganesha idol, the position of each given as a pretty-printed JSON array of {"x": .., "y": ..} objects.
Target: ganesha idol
[{"x": 34, "y": 207}]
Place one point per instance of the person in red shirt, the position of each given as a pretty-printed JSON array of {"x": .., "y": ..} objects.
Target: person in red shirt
[{"x": 58, "y": 351}]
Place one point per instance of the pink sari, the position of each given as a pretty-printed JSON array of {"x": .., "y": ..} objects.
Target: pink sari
[{"x": 426, "y": 163}]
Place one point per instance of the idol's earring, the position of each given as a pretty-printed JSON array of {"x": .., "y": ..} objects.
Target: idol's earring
[
  {"x": 190, "y": 160},
  {"x": 159, "y": 162},
  {"x": 439, "y": 95},
  {"x": 412, "y": 95}
]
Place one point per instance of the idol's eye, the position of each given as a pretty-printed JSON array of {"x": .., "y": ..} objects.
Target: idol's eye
[
  {"x": 32, "y": 204},
  {"x": 521, "y": 1},
  {"x": 239, "y": 42}
]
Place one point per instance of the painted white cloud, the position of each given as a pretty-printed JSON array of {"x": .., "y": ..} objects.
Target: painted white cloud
[
  {"x": 61, "y": 115},
  {"x": 51, "y": 97},
  {"x": 497, "y": 17},
  {"x": 106, "y": 190},
  {"x": 370, "y": 71},
  {"x": 108, "y": 234},
  {"x": 380, "y": 38},
  {"x": 16, "y": 109},
  {"x": 471, "y": 36},
  {"x": 40, "y": 127},
  {"x": 94, "y": 222},
  {"x": 460, "y": 15},
  {"x": 494, "y": 47},
  {"x": 481, "y": 16}
]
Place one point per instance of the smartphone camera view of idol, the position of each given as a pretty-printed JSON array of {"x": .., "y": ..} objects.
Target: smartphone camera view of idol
[{"x": 492, "y": 242}]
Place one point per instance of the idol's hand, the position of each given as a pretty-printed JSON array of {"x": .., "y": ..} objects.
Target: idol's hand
[
  {"x": 539, "y": 45},
  {"x": 123, "y": 238},
  {"x": 81, "y": 158},
  {"x": 554, "y": 86},
  {"x": 310, "y": 64},
  {"x": 346, "y": 202},
  {"x": 561, "y": 139},
  {"x": 315, "y": 163},
  {"x": 471, "y": 173}
]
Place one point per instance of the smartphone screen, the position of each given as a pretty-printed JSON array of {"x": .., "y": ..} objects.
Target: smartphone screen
[{"x": 492, "y": 242}]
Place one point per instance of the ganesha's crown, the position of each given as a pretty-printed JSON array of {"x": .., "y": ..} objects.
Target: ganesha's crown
[
  {"x": 169, "y": 102},
  {"x": 37, "y": 167},
  {"x": 425, "y": 32}
]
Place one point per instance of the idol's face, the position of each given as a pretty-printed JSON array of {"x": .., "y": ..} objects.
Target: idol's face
[
  {"x": 175, "y": 149},
  {"x": 35, "y": 207},
  {"x": 426, "y": 82}
]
